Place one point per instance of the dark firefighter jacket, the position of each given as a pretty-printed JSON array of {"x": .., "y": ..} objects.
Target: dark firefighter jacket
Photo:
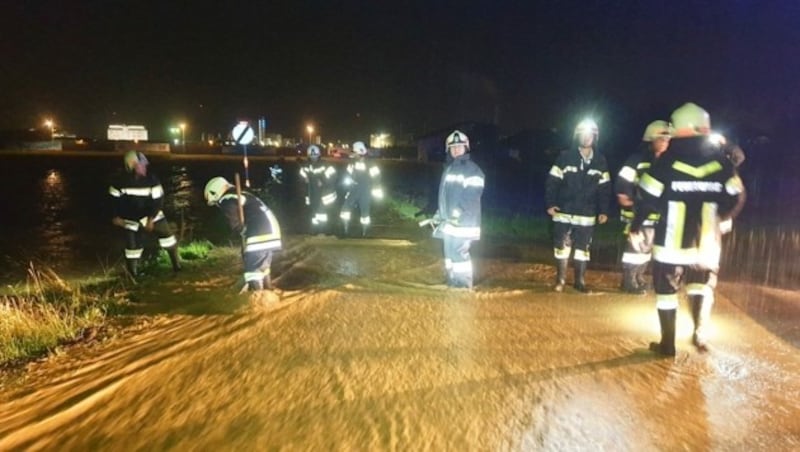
[
  {"x": 363, "y": 176},
  {"x": 260, "y": 231},
  {"x": 580, "y": 189},
  {"x": 627, "y": 184},
  {"x": 694, "y": 187},
  {"x": 460, "y": 198},
  {"x": 321, "y": 181},
  {"x": 136, "y": 198}
]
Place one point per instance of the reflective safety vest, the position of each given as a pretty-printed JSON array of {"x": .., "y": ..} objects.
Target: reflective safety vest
[
  {"x": 321, "y": 181},
  {"x": 460, "y": 193},
  {"x": 692, "y": 186},
  {"x": 627, "y": 184},
  {"x": 580, "y": 188},
  {"x": 261, "y": 229},
  {"x": 135, "y": 198},
  {"x": 363, "y": 176}
]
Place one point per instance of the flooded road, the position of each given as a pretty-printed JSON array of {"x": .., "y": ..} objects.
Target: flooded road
[{"x": 366, "y": 351}]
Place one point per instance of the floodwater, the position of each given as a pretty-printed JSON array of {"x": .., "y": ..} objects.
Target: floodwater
[
  {"x": 363, "y": 349},
  {"x": 366, "y": 351},
  {"x": 57, "y": 210}
]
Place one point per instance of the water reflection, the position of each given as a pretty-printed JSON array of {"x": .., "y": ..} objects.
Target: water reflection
[
  {"x": 53, "y": 231},
  {"x": 181, "y": 202}
]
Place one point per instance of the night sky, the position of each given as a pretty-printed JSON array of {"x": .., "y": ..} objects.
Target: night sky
[{"x": 353, "y": 68}]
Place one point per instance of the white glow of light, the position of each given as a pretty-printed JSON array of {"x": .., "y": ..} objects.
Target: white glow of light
[{"x": 717, "y": 139}]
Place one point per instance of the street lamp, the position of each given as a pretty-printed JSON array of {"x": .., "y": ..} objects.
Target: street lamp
[
  {"x": 50, "y": 125},
  {"x": 183, "y": 135},
  {"x": 310, "y": 130}
]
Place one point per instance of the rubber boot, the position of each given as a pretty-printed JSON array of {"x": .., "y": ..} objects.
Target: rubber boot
[
  {"x": 561, "y": 275},
  {"x": 364, "y": 228},
  {"x": 629, "y": 282},
  {"x": 173, "y": 257},
  {"x": 666, "y": 317},
  {"x": 255, "y": 285},
  {"x": 268, "y": 282},
  {"x": 580, "y": 276},
  {"x": 641, "y": 277},
  {"x": 132, "y": 265},
  {"x": 700, "y": 320},
  {"x": 345, "y": 228}
]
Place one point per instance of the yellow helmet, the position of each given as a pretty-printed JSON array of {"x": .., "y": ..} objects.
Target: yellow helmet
[
  {"x": 457, "y": 138},
  {"x": 657, "y": 129},
  {"x": 214, "y": 190},
  {"x": 690, "y": 120}
]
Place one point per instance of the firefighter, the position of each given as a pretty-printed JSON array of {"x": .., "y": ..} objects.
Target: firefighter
[
  {"x": 459, "y": 212},
  {"x": 260, "y": 231},
  {"x": 362, "y": 183},
  {"x": 701, "y": 308},
  {"x": 320, "y": 179},
  {"x": 695, "y": 188},
  {"x": 634, "y": 260},
  {"x": 138, "y": 199},
  {"x": 577, "y": 194}
]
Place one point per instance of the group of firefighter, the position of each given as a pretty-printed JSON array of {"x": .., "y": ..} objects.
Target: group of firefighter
[
  {"x": 677, "y": 196},
  {"x": 361, "y": 181},
  {"x": 138, "y": 206}
]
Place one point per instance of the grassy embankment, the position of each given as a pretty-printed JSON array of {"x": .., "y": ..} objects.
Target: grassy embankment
[{"x": 46, "y": 312}]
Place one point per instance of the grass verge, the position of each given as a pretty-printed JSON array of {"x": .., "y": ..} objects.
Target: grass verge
[{"x": 46, "y": 312}]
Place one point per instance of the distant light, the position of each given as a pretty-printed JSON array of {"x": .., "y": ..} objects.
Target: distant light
[
  {"x": 717, "y": 139},
  {"x": 587, "y": 125}
]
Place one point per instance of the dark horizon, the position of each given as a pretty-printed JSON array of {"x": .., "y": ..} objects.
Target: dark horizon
[{"x": 352, "y": 69}]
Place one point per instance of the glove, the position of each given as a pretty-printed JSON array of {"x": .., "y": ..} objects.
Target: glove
[
  {"x": 463, "y": 250},
  {"x": 636, "y": 240},
  {"x": 726, "y": 226}
]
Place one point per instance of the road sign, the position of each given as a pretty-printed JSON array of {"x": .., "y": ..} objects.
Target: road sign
[{"x": 243, "y": 133}]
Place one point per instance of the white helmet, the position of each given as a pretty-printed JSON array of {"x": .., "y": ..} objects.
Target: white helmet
[
  {"x": 313, "y": 152},
  {"x": 457, "y": 138},
  {"x": 657, "y": 129},
  {"x": 585, "y": 127},
  {"x": 691, "y": 120},
  {"x": 359, "y": 148},
  {"x": 215, "y": 188}
]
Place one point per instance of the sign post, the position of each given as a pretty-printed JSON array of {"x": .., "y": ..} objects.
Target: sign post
[{"x": 243, "y": 134}]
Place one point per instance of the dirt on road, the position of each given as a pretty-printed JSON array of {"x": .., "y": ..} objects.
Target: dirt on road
[{"x": 362, "y": 348}]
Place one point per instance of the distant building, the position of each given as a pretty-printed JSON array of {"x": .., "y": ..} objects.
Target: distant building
[
  {"x": 272, "y": 139},
  {"x": 123, "y": 132},
  {"x": 381, "y": 140}
]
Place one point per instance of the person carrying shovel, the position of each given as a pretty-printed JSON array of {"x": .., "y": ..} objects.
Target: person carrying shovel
[{"x": 248, "y": 216}]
